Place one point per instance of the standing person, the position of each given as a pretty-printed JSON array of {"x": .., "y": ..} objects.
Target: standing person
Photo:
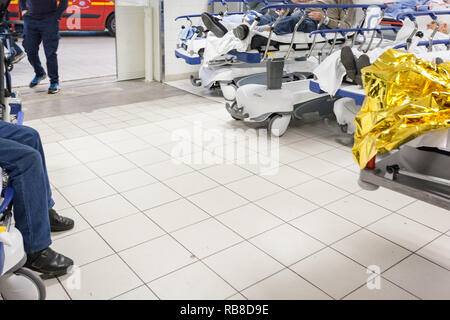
[{"x": 41, "y": 24}]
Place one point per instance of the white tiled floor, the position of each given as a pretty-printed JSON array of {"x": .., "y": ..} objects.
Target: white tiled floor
[{"x": 148, "y": 228}]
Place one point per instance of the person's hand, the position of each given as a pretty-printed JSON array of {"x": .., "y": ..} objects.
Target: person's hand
[
  {"x": 316, "y": 15},
  {"x": 24, "y": 12}
]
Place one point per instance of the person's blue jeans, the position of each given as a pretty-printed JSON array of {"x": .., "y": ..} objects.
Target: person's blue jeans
[
  {"x": 36, "y": 31},
  {"x": 22, "y": 157}
]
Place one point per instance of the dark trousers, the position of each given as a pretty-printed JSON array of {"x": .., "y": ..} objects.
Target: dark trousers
[
  {"x": 22, "y": 157},
  {"x": 45, "y": 31},
  {"x": 287, "y": 24}
]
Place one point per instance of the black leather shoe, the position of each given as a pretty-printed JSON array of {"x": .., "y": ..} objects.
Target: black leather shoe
[
  {"x": 49, "y": 263},
  {"x": 214, "y": 25},
  {"x": 241, "y": 32},
  {"x": 59, "y": 223}
]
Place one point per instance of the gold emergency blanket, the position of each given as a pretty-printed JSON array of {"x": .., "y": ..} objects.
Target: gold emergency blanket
[{"x": 406, "y": 97}]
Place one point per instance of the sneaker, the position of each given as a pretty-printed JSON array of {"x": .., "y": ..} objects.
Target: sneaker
[
  {"x": 241, "y": 32},
  {"x": 349, "y": 62},
  {"x": 36, "y": 80},
  {"x": 54, "y": 88},
  {"x": 214, "y": 25},
  {"x": 361, "y": 63},
  {"x": 18, "y": 58}
]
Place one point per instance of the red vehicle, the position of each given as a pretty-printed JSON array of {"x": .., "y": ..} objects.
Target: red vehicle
[{"x": 81, "y": 15}]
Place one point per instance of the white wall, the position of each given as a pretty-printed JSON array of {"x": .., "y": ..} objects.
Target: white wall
[{"x": 177, "y": 68}]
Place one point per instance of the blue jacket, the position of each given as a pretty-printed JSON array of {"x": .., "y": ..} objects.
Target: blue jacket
[{"x": 41, "y": 9}]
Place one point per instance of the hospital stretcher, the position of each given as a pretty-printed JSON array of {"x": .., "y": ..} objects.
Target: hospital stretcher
[
  {"x": 224, "y": 70},
  {"x": 261, "y": 104},
  {"x": 416, "y": 170}
]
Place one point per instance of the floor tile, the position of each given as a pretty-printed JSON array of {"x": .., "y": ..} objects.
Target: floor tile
[
  {"x": 140, "y": 294},
  {"x": 144, "y": 130},
  {"x": 388, "y": 291},
  {"x": 243, "y": 265},
  {"x": 237, "y": 297},
  {"x": 288, "y": 177},
  {"x": 427, "y": 214},
  {"x": 218, "y": 200},
  {"x": 128, "y": 146},
  {"x": 358, "y": 210},
  {"x": 194, "y": 282},
  {"x": 226, "y": 173},
  {"x": 315, "y": 167},
  {"x": 83, "y": 247},
  {"x": 111, "y": 166},
  {"x": 101, "y": 280},
  {"x": 254, "y": 188},
  {"x": 344, "y": 179},
  {"x": 386, "y": 198},
  {"x": 81, "y": 143},
  {"x": 151, "y": 196},
  {"x": 422, "y": 278},
  {"x": 404, "y": 232},
  {"x": 113, "y": 136},
  {"x": 130, "y": 231},
  {"x": 61, "y": 203},
  {"x": 337, "y": 157},
  {"x": 61, "y": 161},
  {"x": 167, "y": 170},
  {"x": 106, "y": 210},
  {"x": 157, "y": 258},
  {"x": 53, "y": 149},
  {"x": 438, "y": 252},
  {"x": 325, "y": 226},
  {"x": 287, "y": 244},
  {"x": 71, "y": 176},
  {"x": 286, "y": 155},
  {"x": 286, "y": 205},
  {"x": 249, "y": 220},
  {"x": 158, "y": 138},
  {"x": 371, "y": 250},
  {"x": 311, "y": 146},
  {"x": 55, "y": 291},
  {"x": 129, "y": 180},
  {"x": 94, "y": 154},
  {"x": 191, "y": 183},
  {"x": 319, "y": 192},
  {"x": 206, "y": 238},
  {"x": 284, "y": 285},
  {"x": 147, "y": 156},
  {"x": 87, "y": 191},
  {"x": 343, "y": 277},
  {"x": 177, "y": 215}
]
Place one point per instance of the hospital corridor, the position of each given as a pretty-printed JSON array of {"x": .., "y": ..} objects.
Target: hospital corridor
[{"x": 225, "y": 153}]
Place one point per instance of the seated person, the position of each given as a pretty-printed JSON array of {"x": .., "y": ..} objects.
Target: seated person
[
  {"x": 22, "y": 157},
  {"x": 287, "y": 24}
]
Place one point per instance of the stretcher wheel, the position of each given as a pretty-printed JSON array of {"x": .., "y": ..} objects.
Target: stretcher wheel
[
  {"x": 22, "y": 285},
  {"x": 279, "y": 124}
]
